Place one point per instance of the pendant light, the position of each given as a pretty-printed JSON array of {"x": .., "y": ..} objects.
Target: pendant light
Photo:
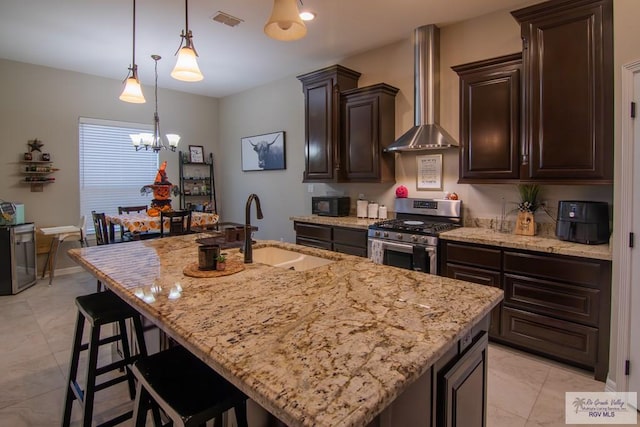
[
  {"x": 285, "y": 23},
  {"x": 186, "y": 68},
  {"x": 154, "y": 140},
  {"x": 132, "y": 91}
]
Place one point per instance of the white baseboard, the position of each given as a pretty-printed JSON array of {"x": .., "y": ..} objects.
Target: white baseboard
[{"x": 610, "y": 385}]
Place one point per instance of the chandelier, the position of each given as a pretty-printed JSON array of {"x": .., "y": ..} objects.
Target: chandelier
[{"x": 154, "y": 140}]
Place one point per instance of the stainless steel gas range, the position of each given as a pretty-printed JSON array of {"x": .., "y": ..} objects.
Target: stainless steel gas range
[{"x": 411, "y": 239}]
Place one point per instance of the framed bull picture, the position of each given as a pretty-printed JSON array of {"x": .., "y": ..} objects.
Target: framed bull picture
[{"x": 263, "y": 152}]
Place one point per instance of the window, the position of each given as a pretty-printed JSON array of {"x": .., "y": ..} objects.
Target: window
[{"x": 111, "y": 170}]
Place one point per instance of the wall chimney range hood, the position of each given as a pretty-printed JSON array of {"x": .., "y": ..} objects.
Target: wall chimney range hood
[{"x": 427, "y": 133}]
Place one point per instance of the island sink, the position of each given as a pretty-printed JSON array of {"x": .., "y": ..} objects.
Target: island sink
[{"x": 286, "y": 259}]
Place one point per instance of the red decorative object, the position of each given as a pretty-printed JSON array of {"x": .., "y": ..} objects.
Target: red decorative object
[
  {"x": 402, "y": 192},
  {"x": 161, "y": 189}
]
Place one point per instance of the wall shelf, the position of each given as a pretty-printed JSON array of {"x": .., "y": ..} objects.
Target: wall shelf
[
  {"x": 197, "y": 184},
  {"x": 36, "y": 173}
]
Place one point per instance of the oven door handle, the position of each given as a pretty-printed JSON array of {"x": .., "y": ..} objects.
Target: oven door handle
[{"x": 405, "y": 248}]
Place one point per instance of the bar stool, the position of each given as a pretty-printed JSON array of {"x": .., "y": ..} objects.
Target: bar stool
[
  {"x": 101, "y": 309},
  {"x": 186, "y": 389}
]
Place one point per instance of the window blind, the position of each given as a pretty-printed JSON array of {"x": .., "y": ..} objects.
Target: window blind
[{"x": 111, "y": 170}]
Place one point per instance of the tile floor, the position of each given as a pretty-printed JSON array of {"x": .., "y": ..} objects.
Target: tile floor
[{"x": 36, "y": 328}]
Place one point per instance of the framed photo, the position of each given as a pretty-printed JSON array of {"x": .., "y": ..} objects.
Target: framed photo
[
  {"x": 263, "y": 152},
  {"x": 196, "y": 154},
  {"x": 429, "y": 172}
]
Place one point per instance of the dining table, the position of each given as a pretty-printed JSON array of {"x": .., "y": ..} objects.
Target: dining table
[{"x": 141, "y": 222}]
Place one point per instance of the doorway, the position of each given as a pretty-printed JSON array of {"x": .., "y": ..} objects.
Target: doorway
[{"x": 628, "y": 342}]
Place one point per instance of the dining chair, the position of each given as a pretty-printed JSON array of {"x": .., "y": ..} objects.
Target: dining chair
[
  {"x": 124, "y": 234},
  {"x": 179, "y": 223},
  {"x": 101, "y": 228}
]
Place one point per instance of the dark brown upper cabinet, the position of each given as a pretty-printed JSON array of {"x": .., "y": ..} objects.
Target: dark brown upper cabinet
[
  {"x": 490, "y": 119},
  {"x": 368, "y": 126},
  {"x": 322, "y": 121},
  {"x": 568, "y": 91}
]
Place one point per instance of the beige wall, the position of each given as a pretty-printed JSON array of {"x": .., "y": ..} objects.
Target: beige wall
[{"x": 45, "y": 103}]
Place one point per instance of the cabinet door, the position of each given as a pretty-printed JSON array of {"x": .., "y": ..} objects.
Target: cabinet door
[
  {"x": 490, "y": 119},
  {"x": 568, "y": 63},
  {"x": 322, "y": 120},
  {"x": 463, "y": 388},
  {"x": 482, "y": 277},
  {"x": 368, "y": 126}
]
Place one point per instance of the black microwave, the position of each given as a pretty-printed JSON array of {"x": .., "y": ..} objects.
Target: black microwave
[{"x": 330, "y": 206}]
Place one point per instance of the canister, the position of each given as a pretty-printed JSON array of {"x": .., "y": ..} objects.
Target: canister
[
  {"x": 361, "y": 208},
  {"x": 382, "y": 212},
  {"x": 373, "y": 210}
]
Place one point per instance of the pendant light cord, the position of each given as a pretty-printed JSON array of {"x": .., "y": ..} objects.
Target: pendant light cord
[
  {"x": 133, "y": 60},
  {"x": 156, "y": 118},
  {"x": 186, "y": 14}
]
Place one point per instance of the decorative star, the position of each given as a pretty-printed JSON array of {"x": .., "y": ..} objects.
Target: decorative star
[{"x": 35, "y": 145}]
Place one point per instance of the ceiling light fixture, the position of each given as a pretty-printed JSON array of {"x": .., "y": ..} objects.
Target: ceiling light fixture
[
  {"x": 132, "y": 91},
  {"x": 186, "y": 68},
  {"x": 154, "y": 140},
  {"x": 307, "y": 15},
  {"x": 285, "y": 23}
]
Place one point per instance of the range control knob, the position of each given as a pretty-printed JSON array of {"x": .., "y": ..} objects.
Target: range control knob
[
  {"x": 423, "y": 239},
  {"x": 386, "y": 234},
  {"x": 377, "y": 234},
  {"x": 414, "y": 238},
  {"x": 399, "y": 236}
]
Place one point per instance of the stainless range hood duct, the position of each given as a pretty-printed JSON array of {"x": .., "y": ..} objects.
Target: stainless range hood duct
[{"x": 427, "y": 133}]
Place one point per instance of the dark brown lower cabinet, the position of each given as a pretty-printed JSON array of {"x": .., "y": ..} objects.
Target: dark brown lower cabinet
[
  {"x": 352, "y": 241},
  {"x": 554, "y": 305},
  {"x": 453, "y": 393},
  {"x": 463, "y": 388}
]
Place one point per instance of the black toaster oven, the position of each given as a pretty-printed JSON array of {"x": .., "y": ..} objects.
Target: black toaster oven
[{"x": 330, "y": 205}]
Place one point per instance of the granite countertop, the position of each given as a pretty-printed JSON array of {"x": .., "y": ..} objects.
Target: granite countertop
[
  {"x": 483, "y": 236},
  {"x": 533, "y": 243},
  {"x": 331, "y": 346}
]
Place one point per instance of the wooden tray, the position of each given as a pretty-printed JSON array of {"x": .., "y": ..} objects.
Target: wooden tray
[{"x": 233, "y": 266}]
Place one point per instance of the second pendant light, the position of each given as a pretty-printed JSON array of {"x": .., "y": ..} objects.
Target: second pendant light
[{"x": 186, "y": 68}]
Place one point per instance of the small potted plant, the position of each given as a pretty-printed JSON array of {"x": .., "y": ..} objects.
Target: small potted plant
[
  {"x": 222, "y": 262},
  {"x": 528, "y": 205}
]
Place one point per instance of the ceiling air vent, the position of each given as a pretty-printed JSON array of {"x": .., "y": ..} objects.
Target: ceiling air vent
[{"x": 226, "y": 19}]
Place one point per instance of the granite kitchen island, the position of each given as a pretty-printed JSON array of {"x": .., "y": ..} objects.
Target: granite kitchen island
[{"x": 330, "y": 346}]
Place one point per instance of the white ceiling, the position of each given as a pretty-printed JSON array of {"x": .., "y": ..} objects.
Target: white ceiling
[{"x": 95, "y": 36}]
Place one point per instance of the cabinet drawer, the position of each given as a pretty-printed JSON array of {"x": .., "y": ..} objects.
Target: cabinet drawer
[
  {"x": 350, "y": 236},
  {"x": 482, "y": 277},
  {"x": 320, "y": 232},
  {"x": 566, "y": 269},
  {"x": 472, "y": 255},
  {"x": 558, "y": 338},
  {"x": 313, "y": 243},
  {"x": 351, "y": 250},
  {"x": 473, "y": 274},
  {"x": 575, "y": 303}
]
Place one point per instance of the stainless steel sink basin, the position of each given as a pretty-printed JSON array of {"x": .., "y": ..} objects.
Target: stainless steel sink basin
[{"x": 287, "y": 259}]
